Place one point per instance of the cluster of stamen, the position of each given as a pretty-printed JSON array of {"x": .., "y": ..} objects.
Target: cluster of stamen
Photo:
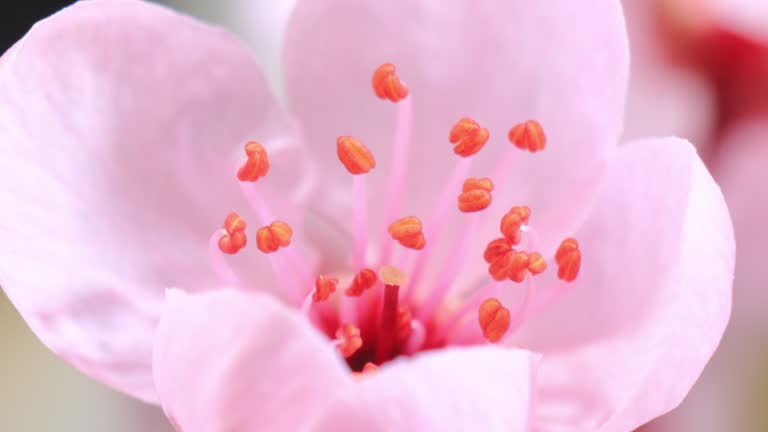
[{"x": 369, "y": 345}]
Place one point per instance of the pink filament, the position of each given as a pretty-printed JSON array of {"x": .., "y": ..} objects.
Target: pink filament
[
  {"x": 218, "y": 262},
  {"x": 360, "y": 220},
  {"x": 402, "y": 144}
]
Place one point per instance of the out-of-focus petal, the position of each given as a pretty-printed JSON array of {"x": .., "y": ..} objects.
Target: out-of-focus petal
[
  {"x": 561, "y": 63},
  {"x": 121, "y": 127},
  {"x": 652, "y": 299},
  {"x": 230, "y": 361},
  {"x": 488, "y": 389}
]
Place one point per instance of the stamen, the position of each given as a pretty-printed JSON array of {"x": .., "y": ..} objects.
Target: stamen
[
  {"x": 468, "y": 137},
  {"x": 393, "y": 278},
  {"x": 363, "y": 280},
  {"x": 408, "y": 232},
  {"x": 568, "y": 258},
  {"x": 217, "y": 261},
  {"x": 348, "y": 340},
  {"x": 529, "y": 136},
  {"x": 355, "y": 156},
  {"x": 360, "y": 220},
  {"x": 494, "y": 319},
  {"x": 270, "y": 238},
  {"x": 403, "y": 326},
  {"x": 257, "y": 164},
  {"x": 233, "y": 238},
  {"x": 519, "y": 267},
  {"x": 417, "y": 338},
  {"x": 475, "y": 194},
  {"x": 387, "y": 85},
  {"x": 496, "y": 249},
  {"x": 501, "y": 267},
  {"x": 536, "y": 264},
  {"x": 324, "y": 287},
  {"x": 368, "y": 369},
  {"x": 513, "y": 221}
]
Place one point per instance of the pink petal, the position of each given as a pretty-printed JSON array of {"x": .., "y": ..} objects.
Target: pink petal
[
  {"x": 230, "y": 361},
  {"x": 501, "y": 63},
  {"x": 653, "y": 296},
  {"x": 483, "y": 389},
  {"x": 121, "y": 126}
]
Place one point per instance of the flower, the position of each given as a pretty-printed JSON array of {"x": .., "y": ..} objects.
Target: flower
[{"x": 157, "y": 128}]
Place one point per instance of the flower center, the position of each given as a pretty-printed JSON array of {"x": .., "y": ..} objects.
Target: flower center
[{"x": 377, "y": 317}]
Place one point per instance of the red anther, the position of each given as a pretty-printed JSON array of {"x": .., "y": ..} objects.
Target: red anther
[
  {"x": 387, "y": 85},
  {"x": 324, "y": 287},
  {"x": 355, "y": 156},
  {"x": 537, "y": 264},
  {"x": 273, "y": 236},
  {"x": 257, "y": 164},
  {"x": 475, "y": 195},
  {"x": 494, "y": 319},
  {"x": 234, "y": 223},
  {"x": 501, "y": 266},
  {"x": 513, "y": 221},
  {"x": 519, "y": 266},
  {"x": 403, "y": 327},
  {"x": 365, "y": 279},
  {"x": 496, "y": 249},
  {"x": 408, "y": 232},
  {"x": 568, "y": 258},
  {"x": 348, "y": 340},
  {"x": 529, "y": 136},
  {"x": 468, "y": 137},
  {"x": 232, "y": 243}
]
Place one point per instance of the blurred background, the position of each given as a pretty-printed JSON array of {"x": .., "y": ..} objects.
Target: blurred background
[{"x": 699, "y": 71}]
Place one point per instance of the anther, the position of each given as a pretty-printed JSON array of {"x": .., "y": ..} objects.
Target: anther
[
  {"x": 355, "y": 156},
  {"x": 475, "y": 194},
  {"x": 324, "y": 287},
  {"x": 273, "y": 236},
  {"x": 364, "y": 280},
  {"x": 529, "y": 136},
  {"x": 468, "y": 137},
  {"x": 257, "y": 164},
  {"x": 513, "y": 221},
  {"x": 501, "y": 266},
  {"x": 494, "y": 319},
  {"x": 404, "y": 321},
  {"x": 536, "y": 264},
  {"x": 408, "y": 232},
  {"x": 496, "y": 249},
  {"x": 387, "y": 85},
  {"x": 518, "y": 268},
  {"x": 235, "y": 238},
  {"x": 568, "y": 258},
  {"x": 348, "y": 340}
]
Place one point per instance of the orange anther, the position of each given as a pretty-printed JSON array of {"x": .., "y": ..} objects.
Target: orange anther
[
  {"x": 354, "y": 155},
  {"x": 494, "y": 319},
  {"x": 475, "y": 195},
  {"x": 568, "y": 258},
  {"x": 364, "y": 280},
  {"x": 257, "y": 164},
  {"x": 273, "y": 236},
  {"x": 536, "y": 265},
  {"x": 496, "y": 249},
  {"x": 404, "y": 318},
  {"x": 348, "y": 340},
  {"x": 529, "y": 136},
  {"x": 232, "y": 243},
  {"x": 513, "y": 221},
  {"x": 468, "y": 137},
  {"x": 501, "y": 266},
  {"x": 387, "y": 85},
  {"x": 324, "y": 287},
  {"x": 408, "y": 232},
  {"x": 519, "y": 266}
]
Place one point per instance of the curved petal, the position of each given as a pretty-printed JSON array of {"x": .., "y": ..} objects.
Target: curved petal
[
  {"x": 230, "y": 361},
  {"x": 486, "y": 389},
  {"x": 121, "y": 124},
  {"x": 562, "y": 63},
  {"x": 653, "y": 296}
]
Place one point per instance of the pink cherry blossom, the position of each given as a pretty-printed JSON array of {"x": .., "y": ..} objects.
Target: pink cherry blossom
[{"x": 122, "y": 129}]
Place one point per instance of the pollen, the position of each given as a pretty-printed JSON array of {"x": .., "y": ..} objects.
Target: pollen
[
  {"x": 512, "y": 221},
  {"x": 348, "y": 340},
  {"x": 468, "y": 137},
  {"x": 529, "y": 136},
  {"x": 273, "y": 236},
  {"x": 494, "y": 319},
  {"x": 324, "y": 287},
  {"x": 364, "y": 280},
  {"x": 475, "y": 194},
  {"x": 518, "y": 267},
  {"x": 355, "y": 156},
  {"x": 500, "y": 267},
  {"x": 536, "y": 263},
  {"x": 568, "y": 258},
  {"x": 387, "y": 85},
  {"x": 257, "y": 164},
  {"x": 408, "y": 232},
  {"x": 234, "y": 239}
]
